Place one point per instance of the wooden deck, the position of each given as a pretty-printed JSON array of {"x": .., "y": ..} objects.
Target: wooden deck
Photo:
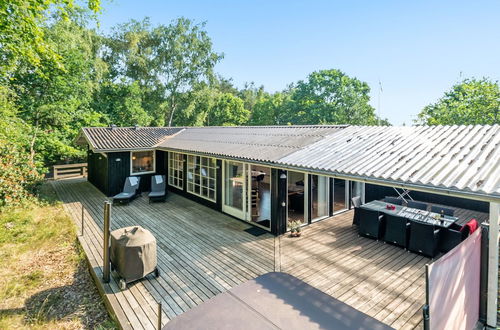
[{"x": 202, "y": 252}]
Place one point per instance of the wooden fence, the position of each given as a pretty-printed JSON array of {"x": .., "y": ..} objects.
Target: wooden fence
[{"x": 70, "y": 171}]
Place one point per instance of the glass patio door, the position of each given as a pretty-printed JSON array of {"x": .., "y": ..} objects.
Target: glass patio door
[
  {"x": 235, "y": 192},
  {"x": 320, "y": 189},
  {"x": 297, "y": 197},
  {"x": 340, "y": 195}
]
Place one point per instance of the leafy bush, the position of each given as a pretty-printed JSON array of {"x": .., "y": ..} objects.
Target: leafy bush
[{"x": 19, "y": 175}]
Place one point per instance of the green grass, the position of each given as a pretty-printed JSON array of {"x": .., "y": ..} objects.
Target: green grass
[{"x": 44, "y": 280}]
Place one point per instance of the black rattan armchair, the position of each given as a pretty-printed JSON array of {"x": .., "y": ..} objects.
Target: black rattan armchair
[
  {"x": 417, "y": 205},
  {"x": 397, "y": 230},
  {"x": 356, "y": 203},
  {"x": 444, "y": 210},
  {"x": 393, "y": 200},
  {"x": 424, "y": 239},
  {"x": 370, "y": 224}
]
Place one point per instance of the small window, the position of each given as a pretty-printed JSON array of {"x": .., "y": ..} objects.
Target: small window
[{"x": 142, "y": 162}]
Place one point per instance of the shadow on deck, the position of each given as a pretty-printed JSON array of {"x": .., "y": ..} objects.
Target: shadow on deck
[{"x": 202, "y": 252}]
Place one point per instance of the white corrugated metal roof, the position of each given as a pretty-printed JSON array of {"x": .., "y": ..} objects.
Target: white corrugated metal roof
[
  {"x": 465, "y": 158},
  {"x": 257, "y": 143},
  {"x": 462, "y": 158}
]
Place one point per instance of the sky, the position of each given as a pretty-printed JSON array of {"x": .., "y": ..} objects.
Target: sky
[{"x": 416, "y": 49}]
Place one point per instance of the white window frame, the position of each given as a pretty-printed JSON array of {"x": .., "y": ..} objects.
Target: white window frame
[
  {"x": 172, "y": 170},
  {"x": 193, "y": 184},
  {"x": 142, "y": 173}
]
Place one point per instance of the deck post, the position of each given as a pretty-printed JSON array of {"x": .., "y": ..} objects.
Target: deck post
[
  {"x": 159, "y": 315},
  {"x": 483, "y": 285},
  {"x": 425, "y": 309},
  {"x": 491, "y": 318},
  {"x": 83, "y": 218},
  {"x": 107, "y": 216}
]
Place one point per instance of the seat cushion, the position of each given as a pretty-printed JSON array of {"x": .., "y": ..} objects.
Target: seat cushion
[
  {"x": 123, "y": 195},
  {"x": 156, "y": 194}
]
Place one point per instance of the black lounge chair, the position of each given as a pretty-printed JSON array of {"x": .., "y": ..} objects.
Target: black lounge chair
[
  {"x": 397, "y": 230},
  {"x": 424, "y": 239},
  {"x": 129, "y": 190},
  {"x": 444, "y": 210},
  {"x": 417, "y": 205},
  {"x": 158, "y": 189},
  {"x": 356, "y": 203},
  {"x": 393, "y": 200},
  {"x": 370, "y": 223}
]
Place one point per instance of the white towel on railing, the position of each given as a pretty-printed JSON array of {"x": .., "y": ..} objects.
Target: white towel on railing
[
  {"x": 133, "y": 181},
  {"x": 159, "y": 179}
]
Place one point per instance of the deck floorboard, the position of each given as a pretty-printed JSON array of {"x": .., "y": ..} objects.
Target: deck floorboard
[{"x": 202, "y": 252}]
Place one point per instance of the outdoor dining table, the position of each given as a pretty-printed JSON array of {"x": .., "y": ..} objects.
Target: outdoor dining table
[{"x": 411, "y": 213}]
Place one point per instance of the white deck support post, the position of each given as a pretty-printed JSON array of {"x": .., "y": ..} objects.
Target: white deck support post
[{"x": 491, "y": 316}]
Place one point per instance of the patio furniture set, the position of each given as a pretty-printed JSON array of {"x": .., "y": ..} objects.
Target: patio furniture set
[
  {"x": 412, "y": 226},
  {"x": 131, "y": 190}
]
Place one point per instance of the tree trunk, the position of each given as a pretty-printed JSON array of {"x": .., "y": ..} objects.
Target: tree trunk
[
  {"x": 32, "y": 145},
  {"x": 172, "y": 111},
  {"x": 33, "y": 140}
]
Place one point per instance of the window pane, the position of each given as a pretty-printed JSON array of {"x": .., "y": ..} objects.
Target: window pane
[
  {"x": 176, "y": 170},
  {"x": 142, "y": 161},
  {"x": 201, "y": 176}
]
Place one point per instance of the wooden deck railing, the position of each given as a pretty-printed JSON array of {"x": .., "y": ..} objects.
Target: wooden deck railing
[{"x": 70, "y": 171}]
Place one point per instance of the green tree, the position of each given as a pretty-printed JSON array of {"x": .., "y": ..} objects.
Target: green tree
[
  {"x": 195, "y": 106},
  {"x": 227, "y": 110},
  {"x": 271, "y": 110},
  {"x": 472, "y": 101},
  {"x": 121, "y": 104},
  {"x": 331, "y": 97},
  {"x": 22, "y": 36},
  {"x": 166, "y": 61},
  {"x": 56, "y": 102},
  {"x": 208, "y": 106},
  {"x": 251, "y": 95},
  {"x": 19, "y": 175}
]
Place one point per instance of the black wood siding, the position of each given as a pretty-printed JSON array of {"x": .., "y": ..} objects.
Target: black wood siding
[
  {"x": 278, "y": 198},
  {"x": 161, "y": 162},
  {"x": 98, "y": 171},
  {"x": 118, "y": 171}
]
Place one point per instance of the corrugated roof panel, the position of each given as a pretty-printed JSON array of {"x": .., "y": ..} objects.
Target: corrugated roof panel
[
  {"x": 259, "y": 143},
  {"x": 126, "y": 138},
  {"x": 458, "y": 157}
]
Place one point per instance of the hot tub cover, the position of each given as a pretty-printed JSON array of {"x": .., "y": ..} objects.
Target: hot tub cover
[
  {"x": 133, "y": 252},
  {"x": 274, "y": 301}
]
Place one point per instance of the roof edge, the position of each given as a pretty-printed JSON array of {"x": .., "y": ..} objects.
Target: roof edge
[{"x": 468, "y": 194}]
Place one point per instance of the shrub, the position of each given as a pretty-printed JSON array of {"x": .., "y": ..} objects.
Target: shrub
[{"x": 19, "y": 176}]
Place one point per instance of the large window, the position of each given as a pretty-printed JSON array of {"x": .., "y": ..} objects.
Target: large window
[
  {"x": 176, "y": 170},
  {"x": 320, "y": 187},
  {"x": 142, "y": 162},
  {"x": 201, "y": 176}
]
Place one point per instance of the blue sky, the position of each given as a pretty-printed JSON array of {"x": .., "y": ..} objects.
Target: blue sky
[{"x": 417, "y": 49}]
